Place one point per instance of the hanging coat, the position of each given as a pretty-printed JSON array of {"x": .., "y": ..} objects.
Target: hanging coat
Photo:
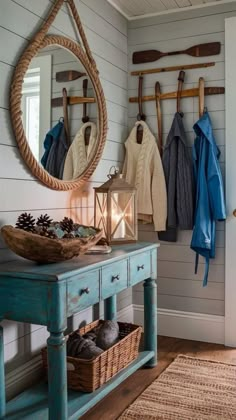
[
  {"x": 143, "y": 169},
  {"x": 50, "y": 136},
  {"x": 56, "y": 149},
  {"x": 79, "y": 154},
  {"x": 210, "y": 204},
  {"x": 178, "y": 170}
]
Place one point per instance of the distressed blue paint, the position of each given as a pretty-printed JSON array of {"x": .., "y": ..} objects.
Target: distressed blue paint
[
  {"x": 150, "y": 319},
  {"x": 140, "y": 267},
  {"x": 74, "y": 267},
  {"x": 24, "y": 300},
  {"x": 154, "y": 264},
  {"x": 2, "y": 377},
  {"x": 57, "y": 377},
  {"x": 32, "y": 404},
  {"x": 110, "y": 308},
  {"x": 57, "y": 307},
  {"x": 114, "y": 278},
  {"x": 48, "y": 294},
  {"x": 83, "y": 291}
]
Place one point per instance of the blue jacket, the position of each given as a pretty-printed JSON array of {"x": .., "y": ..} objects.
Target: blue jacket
[
  {"x": 210, "y": 204},
  {"x": 56, "y": 148},
  {"x": 52, "y": 135}
]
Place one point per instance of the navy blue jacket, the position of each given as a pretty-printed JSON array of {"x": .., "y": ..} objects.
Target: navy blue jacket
[
  {"x": 178, "y": 170},
  {"x": 210, "y": 204},
  {"x": 54, "y": 133},
  {"x": 56, "y": 148}
]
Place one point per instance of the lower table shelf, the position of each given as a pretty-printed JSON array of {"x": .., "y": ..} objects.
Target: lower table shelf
[{"x": 33, "y": 403}]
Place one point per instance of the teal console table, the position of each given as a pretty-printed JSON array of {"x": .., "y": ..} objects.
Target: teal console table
[{"x": 48, "y": 295}]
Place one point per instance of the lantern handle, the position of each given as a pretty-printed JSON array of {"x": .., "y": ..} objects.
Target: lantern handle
[{"x": 115, "y": 170}]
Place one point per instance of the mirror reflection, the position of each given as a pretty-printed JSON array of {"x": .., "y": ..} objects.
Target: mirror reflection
[{"x": 59, "y": 113}]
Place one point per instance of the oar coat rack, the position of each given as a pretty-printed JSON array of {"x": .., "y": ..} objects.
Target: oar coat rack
[
  {"x": 72, "y": 100},
  {"x": 201, "y": 91},
  {"x": 66, "y": 100},
  {"x": 68, "y": 76},
  {"x": 187, "y": 93}
]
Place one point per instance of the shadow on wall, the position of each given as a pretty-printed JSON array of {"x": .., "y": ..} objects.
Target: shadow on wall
[{"x": 81, "y": 205}]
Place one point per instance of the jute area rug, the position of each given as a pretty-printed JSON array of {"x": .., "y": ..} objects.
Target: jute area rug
[{"x": 188, "y": 389}]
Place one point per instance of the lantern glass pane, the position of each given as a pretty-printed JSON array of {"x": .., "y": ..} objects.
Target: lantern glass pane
[
  {"x": 122, "y": 215},
  {"x": 101, "y": 212}
]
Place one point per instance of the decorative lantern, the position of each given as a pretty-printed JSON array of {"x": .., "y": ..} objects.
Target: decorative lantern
[{"x": 116, "y": 210}]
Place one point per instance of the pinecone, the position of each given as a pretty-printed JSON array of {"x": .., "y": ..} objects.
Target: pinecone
[
  {"x": 26, "y": 222},
  {"x": 67, "y": 224},
  {"x": 68, "y": 236},
  {"x": 48, "y": 233},
  {"x": 76, "y": 226},
  {"x": 44, "y": 221}
]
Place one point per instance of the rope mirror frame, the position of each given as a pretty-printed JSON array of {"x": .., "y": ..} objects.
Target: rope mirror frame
[{"x": 84, "y": 56}]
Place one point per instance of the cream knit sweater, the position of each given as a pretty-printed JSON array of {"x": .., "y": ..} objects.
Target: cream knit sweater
[
  {"x": 143, "y": 169},
  {"x": 78, "y": 154}
]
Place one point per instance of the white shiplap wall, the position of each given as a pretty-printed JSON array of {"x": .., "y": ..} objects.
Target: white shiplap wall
[
  {"x": 106, "y": 30},
  {"x": 178, "y": 287}
]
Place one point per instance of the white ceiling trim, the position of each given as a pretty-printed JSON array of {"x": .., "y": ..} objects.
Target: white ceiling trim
[
  {"x": 165, "y": 12},
  {"x": 119, "y": 9}
]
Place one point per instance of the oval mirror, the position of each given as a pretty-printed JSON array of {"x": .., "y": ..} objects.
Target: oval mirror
[{"x": 61, "y": 127}]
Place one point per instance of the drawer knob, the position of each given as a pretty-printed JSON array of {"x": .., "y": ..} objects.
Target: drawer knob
[
  {"x": 86, "y": 290},
  {"x": 117, "y": 277},
  {"x": 141, "y": 267}
]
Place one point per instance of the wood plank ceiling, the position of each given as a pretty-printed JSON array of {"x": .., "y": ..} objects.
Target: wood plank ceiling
[{"x": 132, "y": 9}]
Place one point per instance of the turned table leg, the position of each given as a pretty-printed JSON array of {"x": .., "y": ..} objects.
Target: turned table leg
[
  {"x": 150, "y": 319},
  {"x": 2, "y": 377},
  {"x": 110, "y": 309},
  {"x": 57, "y": 376}
]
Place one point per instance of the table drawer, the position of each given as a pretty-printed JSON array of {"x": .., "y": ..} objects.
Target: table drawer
[
  {"x": 114, "y": 278},
  {"x": 83, "y": 291},
  {"x": 140, "y": 267}
]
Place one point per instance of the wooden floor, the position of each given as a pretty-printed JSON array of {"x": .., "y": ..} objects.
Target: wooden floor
[{"x": 114, "y": 404}]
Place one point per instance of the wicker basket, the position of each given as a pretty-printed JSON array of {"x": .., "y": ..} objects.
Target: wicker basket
[{"x": 88, "y": 375}]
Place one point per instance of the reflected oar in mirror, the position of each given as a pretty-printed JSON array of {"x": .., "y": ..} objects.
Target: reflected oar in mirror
[
  {"x": 85, "y": 117},
  {"x": 65, "y": 115},
  {"x": 68, "y": 75}
]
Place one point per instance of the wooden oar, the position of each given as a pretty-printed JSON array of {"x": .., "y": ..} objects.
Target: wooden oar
[
  {"x": 201, "y": 96},
  {"x": 85, "y": 117},
  {"x": 159, "y": 116},
  {"x": 65, "y": 115},
  {"x": 141, "y": 115},
  {"x": 201, "y": 50},
  {"x": 180, "y": 87},
  {"x": 68, "y": 75},
  {"x": 172, "y": 68}
]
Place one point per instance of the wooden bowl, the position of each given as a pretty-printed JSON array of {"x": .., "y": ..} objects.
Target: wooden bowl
[{"x": 45, "y": 250}]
